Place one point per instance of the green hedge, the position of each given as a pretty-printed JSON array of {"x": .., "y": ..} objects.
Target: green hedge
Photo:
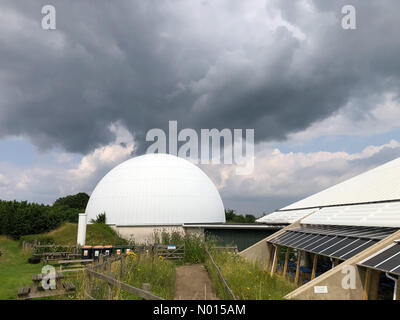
[{"x": 23, "y": 218}]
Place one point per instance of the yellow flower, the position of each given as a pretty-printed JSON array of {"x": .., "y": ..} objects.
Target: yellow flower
[
  {"x": 248, "y": 288},
  {"x": 249, "y": 272}
]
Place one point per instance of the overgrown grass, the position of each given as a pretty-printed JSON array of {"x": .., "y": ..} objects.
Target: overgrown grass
[
  {"x": 137, "y": 269},
  {"x": 96, "y": 234},
  {"x": 247, "y": 280}
]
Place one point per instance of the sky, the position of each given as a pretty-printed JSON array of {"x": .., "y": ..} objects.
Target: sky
[{"x": 78, "y": 100}]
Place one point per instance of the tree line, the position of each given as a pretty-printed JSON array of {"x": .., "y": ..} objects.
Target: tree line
[
  {"x": 232, "y": 217},
  {"x": 18, "y": 218}
]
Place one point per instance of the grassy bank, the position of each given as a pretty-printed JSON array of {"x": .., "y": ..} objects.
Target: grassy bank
[
  {"x": 15, "y": 271},
  {"x": 96, "y": 234},
  {"x": 247, "y": 280}
]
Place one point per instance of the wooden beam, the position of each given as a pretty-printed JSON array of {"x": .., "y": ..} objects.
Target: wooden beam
[
  {"x": 314, "y": 267},
  {"x": 398, "y": 288},
  {"x": 336, "y": 262},
  {"x": 374, "y": 287},
  {"x": 367, "y": 284},
  {"x": 296, "y": 280},
  {"x": 139, "y": 292},
  {"x": 269, "y": 253},
  {"x": 275, "y": 262},
  {"x": 286, "y": 262}
]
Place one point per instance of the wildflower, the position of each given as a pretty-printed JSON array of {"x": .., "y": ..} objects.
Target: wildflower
[
  {"x": 248, "y": 288},
  {"x": 249, "y": 272}
]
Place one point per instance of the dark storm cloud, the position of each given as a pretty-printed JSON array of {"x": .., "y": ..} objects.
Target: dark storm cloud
[{"x": 205, "y": 64}]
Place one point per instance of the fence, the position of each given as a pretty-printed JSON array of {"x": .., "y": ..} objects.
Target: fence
[
  {"x": 170, "y": 252},
  {"x": 105, "y": 265},
  {"x": 228, "y": 291}
]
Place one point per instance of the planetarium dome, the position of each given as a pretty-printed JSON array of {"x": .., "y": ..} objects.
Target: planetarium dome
[{"x": 156, "y": 190}]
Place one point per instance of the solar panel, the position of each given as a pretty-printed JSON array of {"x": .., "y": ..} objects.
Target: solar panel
[
  {"x": 359, "y": 249},
  {"x": 347, "y": 249},
  {"x": 320, "y": 239},
  {"x": 337, "y": 246},
  {"x": 387, "y": 260},
  {"x": 325, "y": 245},
  {"x": 290, "y": 238},
  {"x": 354, "y": 242},
  {"x": 341, "y": 242}
]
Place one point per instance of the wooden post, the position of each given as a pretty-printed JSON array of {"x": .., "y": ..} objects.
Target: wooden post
[
  {"x": 121, "y": 274},
  {"x": 336, "y": 262},
  {"x": 374, "y": 287},
  {"x": 146, "y": 287},
  {"x": 275, "y": 261},
  {"x": 110, "y": 287},
  {"x": 398, "y": 288},
  {"x": 269, "y": 253},
  {"x": 296, "y": 280},
  {"x": 314, "y": 267},
  {"x": 88, "y": 284},
  {"x": 286, "y": 262},
  {"x": 367, "y": 284}
]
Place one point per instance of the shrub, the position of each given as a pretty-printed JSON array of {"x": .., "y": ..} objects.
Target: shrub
[{"x": 100, "y": 218}]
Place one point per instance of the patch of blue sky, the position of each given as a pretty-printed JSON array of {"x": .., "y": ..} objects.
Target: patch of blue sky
[
  {"x": 339, "y": 143},
  {"x": 21, "y": 153}
]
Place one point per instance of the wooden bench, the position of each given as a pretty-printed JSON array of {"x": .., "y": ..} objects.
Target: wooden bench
[
  {"x": 36, "y": 290},
  {"x": 81, "y": 264},
  {"x": 69, "y": 286},
  {"x": 23, "y": 292}
]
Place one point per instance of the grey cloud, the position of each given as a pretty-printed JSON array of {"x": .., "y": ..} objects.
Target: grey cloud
[{"x": 201, "y": 63}]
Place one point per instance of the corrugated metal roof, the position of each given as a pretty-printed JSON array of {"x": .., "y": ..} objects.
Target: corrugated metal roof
[
  {"x": 285, "y": 216},
  {"x": 369, "y": 215},
  {"x": 233, "y": 226},
  {"x": 379, "y": 184}
]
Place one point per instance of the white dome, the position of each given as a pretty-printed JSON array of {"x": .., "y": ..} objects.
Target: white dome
[{"x": 156, "y": 189}]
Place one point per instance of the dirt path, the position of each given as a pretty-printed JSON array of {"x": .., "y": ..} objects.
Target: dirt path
[{"x": 193, "y": 283}]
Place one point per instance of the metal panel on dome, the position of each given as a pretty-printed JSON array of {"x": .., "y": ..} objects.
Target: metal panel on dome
[{"x": 154, "y": 190}]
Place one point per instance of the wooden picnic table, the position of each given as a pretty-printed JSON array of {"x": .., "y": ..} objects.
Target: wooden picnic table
[{"x": 36, "y": 290}]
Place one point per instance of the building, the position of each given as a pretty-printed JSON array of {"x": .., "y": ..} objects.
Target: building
[
  {"x": 154, "y": 192},
  {"x": 341, "y": 243}
]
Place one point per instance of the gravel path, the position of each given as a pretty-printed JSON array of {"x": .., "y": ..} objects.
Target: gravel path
[{"x": 193, "y": 283}]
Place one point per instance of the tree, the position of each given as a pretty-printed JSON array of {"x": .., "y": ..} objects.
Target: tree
[
  {"x": 77, "y": 201},
  {"x": 229, "y": 214},
  {"x": 232, "y": 217}
]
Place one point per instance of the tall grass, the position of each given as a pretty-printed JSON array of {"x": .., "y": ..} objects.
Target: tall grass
[
  {"x": 247, "y": 280},
  {"x": 137, "y": 269},
  {"x": 194, "y": 244}
]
